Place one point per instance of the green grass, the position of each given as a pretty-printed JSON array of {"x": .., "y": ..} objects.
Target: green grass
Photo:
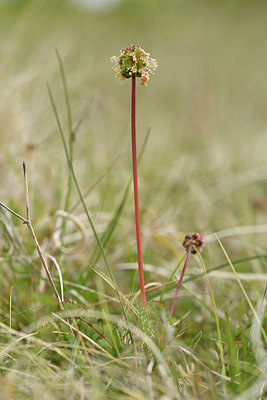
[{"x": 201, "y": 131}]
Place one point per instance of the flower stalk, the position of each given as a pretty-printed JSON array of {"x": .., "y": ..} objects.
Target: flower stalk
[
  {"x": 180, "y": 281},
  {"x": 133, "y": 62},
  {"x": 192, "y": 243},
  {"x": 136, "y": 197}
]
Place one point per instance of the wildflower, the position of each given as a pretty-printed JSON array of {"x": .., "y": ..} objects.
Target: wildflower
[
  {"x": 195, "y": 241},
  {"x": 134, "y": 62}
]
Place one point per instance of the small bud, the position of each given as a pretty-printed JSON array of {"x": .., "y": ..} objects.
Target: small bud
[
  {"x": 134, "y": 61},
  {"x": 196, "y": 241}
]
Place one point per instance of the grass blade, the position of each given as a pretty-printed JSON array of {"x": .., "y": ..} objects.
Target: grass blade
[
  {"x": 70, "y": 164},
  {"x": 114, "y": 221},
  {"x": 70, "y": 128},
  {"x": 243, "y": 289},
  {"x": 215, "y": 316},
  {"x": 172, "y": 285}
]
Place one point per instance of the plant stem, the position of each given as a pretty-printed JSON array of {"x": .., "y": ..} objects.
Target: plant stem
[
  {"x": 10, "y": 309},
  {"x": 180, "y": 281},
  {"x": 136, "y": 200},
  {"x": 38, "y": 247},
  {"x": 27, "y": 221},
  {"x": 101, "y": 248}
]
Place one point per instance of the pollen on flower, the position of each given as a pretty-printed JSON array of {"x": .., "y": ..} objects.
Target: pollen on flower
[
  {"x": 134, "y": 61},
  {"x": 196, "y": 241}
]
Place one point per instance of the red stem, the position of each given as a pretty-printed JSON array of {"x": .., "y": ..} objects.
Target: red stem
[
  {"x": 136, "y": 201},
  {"x": 180, "y": 281}
]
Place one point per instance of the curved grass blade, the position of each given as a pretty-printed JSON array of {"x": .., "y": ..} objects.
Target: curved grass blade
[
  {"x": 243, "y": 290},
  {"x": 70, "y": 165},
  {"x": 114, "y": 222},
  {"x": 153, "y": 292}
]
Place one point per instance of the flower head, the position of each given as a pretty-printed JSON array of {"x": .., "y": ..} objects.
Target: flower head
[
  {"x": 196, "y": 241},
  {"x": 134, "y": 61}
]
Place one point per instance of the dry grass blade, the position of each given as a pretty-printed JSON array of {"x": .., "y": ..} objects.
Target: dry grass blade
[
  {"x": 27, "y": 221},
  {"x": 195, "y": 358}
]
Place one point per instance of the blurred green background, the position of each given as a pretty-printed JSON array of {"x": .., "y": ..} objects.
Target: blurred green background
[{"x": 205, "y": 164}]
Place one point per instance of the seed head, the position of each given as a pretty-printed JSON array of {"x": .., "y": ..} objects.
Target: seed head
[
  {"x": 134, "y": 61},
  {"x": 196, "y": 241}
]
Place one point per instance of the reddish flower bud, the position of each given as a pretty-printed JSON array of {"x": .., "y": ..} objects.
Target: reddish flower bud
[{"x": 196, "y": 241}]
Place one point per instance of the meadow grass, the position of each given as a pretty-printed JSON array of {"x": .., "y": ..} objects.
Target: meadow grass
[{"x": 201, "y": 131}]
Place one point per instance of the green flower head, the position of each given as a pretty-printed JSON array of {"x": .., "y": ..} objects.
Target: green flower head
[{"x": 134, "y": 61}]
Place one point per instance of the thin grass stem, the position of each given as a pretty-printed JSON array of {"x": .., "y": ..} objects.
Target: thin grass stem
[
  {"x": 216, "y": 318},
  {"x": 243, "y": 290},
  {"x": 27, "y": 221},
  {"x": 70, "y": 165},
  {"x": 172, "y": 284},
  {"x": 117, "y": 214},
  {"x": 70, "y": 129},
  {"x": 38, "y": 247},
  {"x": 10, "y": 308}
]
